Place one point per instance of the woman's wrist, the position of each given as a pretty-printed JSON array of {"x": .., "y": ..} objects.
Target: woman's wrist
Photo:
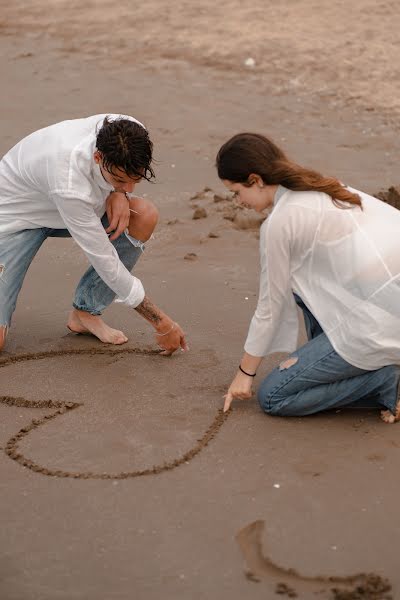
[
  {"x": 249, "y": 364},
  {"x": 249, "y": 374}
]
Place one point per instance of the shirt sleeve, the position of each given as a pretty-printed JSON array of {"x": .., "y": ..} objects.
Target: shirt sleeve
[
  {"x": 86, "y": 229},
  {"x": 274, "y": 326}
]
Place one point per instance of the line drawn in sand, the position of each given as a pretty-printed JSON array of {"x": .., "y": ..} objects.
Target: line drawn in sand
[
  {"x": 11, "y": 447},
  {"x": 366, "y": 586}
]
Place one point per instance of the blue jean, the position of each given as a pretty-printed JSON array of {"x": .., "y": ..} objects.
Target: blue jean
[
  {"x": 322, "y": 380},
  {"x": 17, "y": 251}
]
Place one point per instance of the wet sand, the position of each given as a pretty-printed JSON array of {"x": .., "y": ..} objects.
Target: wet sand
[{"x": 325, "y": 485}]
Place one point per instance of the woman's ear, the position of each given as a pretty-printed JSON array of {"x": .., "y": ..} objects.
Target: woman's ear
[
  {"x": 97, "y": 157},
  {"x": 253, "y": 178}
]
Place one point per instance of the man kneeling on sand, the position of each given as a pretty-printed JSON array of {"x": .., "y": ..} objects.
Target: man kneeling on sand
[{"x": 74, "y": 179}]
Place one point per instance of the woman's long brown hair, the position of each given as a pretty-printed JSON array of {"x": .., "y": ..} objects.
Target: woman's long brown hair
[{"x": 247, "y": 153}]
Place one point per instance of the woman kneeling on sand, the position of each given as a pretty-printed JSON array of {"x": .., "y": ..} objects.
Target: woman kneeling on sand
[{"x": 334, "y": 252}]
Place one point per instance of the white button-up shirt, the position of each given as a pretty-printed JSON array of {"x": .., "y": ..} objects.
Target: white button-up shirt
[
  {"x": 344, "y": 264},
  {"x": 50, "y": 179}
]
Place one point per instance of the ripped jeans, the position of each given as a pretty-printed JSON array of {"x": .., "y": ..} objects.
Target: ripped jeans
[
  {"x": 316, "y": 378},
  {"x": 17, "y": 250}
]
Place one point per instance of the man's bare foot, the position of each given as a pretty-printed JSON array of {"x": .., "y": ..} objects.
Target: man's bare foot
[
  {"x": 83, "y": 322},
  {"x": 388, "y": 417},
  {"x": 3, "y": 336}
]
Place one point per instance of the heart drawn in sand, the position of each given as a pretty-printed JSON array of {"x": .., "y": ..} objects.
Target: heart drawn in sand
[{"x": 61, "y": 408}]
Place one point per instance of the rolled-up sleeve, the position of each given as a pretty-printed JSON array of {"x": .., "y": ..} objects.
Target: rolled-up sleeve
[
  {"x": 86, "y": 229},
  {"x": 274, "y": 326}
]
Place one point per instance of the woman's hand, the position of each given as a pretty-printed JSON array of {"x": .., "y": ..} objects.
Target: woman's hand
[
  {"x": 172, "y": 339},
  {"x": 118, "y": 214},
  {"x": 241, "y": 387}
]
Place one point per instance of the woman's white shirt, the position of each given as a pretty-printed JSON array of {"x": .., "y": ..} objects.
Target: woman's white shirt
[
  {"x": 50, "y": 179},
  {"x": 345, "y": 266}
]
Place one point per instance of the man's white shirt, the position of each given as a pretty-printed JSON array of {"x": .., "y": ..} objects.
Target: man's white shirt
[{"x": 50, "y": 179}]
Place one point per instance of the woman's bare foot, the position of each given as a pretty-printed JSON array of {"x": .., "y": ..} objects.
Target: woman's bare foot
[
  {"x": 388, "y": 417},
  {"x": 83, "y": 322}
]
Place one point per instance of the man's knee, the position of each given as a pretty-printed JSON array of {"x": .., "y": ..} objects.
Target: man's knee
[{"x": 144, "y": 218}]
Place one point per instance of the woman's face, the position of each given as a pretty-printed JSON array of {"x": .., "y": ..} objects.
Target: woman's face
[{"x": 257, "y": 196}]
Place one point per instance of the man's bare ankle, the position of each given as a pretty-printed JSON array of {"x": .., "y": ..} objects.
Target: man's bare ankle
[
  {"x": 3, "y": 336},
  {"x": 84, "y": 314}
]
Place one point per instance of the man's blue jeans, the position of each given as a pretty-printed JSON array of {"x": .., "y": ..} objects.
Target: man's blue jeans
[
  {"x": 17, "y": 251},
  {"x": 321, "y": 380}
]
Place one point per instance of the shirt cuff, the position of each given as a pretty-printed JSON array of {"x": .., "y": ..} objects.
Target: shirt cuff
[{"x": 135, "y": 296}]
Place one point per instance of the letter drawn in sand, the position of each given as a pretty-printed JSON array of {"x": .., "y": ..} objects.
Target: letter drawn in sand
[{"x": 259, "y": 566}]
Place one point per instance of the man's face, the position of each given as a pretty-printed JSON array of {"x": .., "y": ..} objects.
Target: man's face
[{"x": 120, "y": 181}]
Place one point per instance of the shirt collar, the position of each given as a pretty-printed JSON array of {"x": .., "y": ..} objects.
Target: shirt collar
[{"x": 280, "y": 190}]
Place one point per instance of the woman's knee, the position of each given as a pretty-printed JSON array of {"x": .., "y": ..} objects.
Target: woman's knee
[
  {"x": 272, "y": 398},
  {"x": 274, "y": 405},
  {"x": 144, "y": 218},
  {"x": 265, "y": 397}
]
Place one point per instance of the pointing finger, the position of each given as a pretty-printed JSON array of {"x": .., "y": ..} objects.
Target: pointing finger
[{"x": 228, "y": 401}]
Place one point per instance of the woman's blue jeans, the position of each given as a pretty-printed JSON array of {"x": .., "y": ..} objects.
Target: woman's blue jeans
[
  {"x": 321, "y": 380},
  {"x": 17, "y": 250}
]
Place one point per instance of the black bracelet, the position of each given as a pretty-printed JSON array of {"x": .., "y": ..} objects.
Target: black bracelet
[{"x": 248, "y": 374}]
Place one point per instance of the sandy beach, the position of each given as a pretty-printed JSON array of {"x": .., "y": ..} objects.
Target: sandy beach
[{"x": 120, "y": 479}]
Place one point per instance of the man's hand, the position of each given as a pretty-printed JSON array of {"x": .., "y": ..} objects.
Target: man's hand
[
  {"x": 118, "y": 213},
  {"x": 239, "y": 388},
  {"x": 171, "y": 341},
  {"x": 169, "y": 335}
]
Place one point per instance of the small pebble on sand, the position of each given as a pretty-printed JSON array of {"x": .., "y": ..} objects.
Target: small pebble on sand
[
  {"x": 250, "y": 62},
  {"x": 199, "y": 213}
]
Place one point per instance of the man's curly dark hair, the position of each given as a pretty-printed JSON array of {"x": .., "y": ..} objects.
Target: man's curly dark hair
[{"x": 125, "y": 145}]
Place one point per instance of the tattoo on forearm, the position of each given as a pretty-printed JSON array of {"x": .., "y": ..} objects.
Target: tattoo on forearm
[{"x": 149, "y": 311}]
